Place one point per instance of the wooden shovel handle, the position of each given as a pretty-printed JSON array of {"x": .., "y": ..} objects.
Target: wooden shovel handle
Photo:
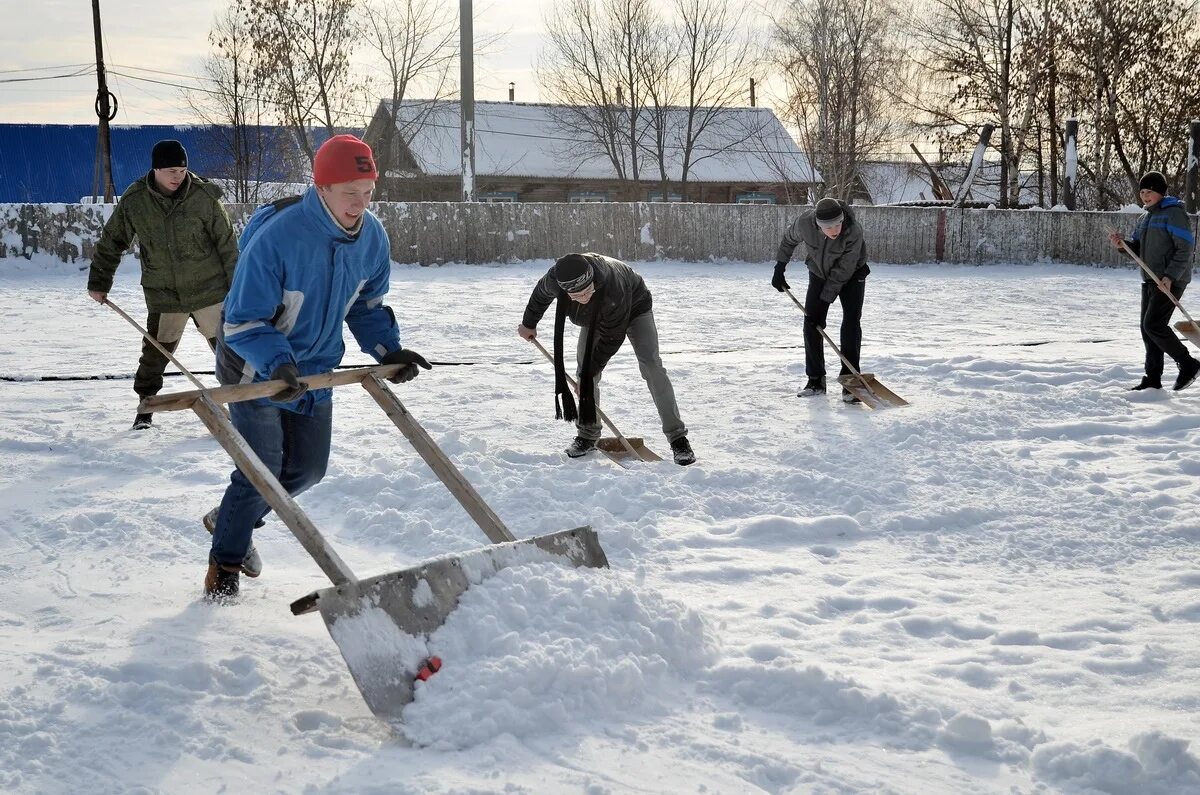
[
  {"x": 154, "y": 342},
  {"x": 833, "y": 345},
  {"x": 604, "y": 417},
  {"x": 1155, "y": 279}
]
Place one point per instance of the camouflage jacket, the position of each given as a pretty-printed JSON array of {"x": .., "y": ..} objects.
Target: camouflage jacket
[{"x": 187, "y": 245}]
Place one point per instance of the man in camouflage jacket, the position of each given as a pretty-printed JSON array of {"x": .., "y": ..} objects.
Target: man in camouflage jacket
[{"x": 188, "y": 253}]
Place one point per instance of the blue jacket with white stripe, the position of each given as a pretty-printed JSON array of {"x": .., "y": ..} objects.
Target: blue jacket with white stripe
[
  {"x": 300, "y": 275},
  {"x": 1164, "y": 240}
]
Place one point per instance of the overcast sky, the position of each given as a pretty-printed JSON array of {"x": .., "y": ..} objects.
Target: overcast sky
[{"x": 171, "y": 37}]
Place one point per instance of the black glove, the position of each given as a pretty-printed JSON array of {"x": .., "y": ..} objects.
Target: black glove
[
  {"x": 410, "y": 360},
  {"x": 291, "y": 374},
  {"x": 777, "y": 281}
]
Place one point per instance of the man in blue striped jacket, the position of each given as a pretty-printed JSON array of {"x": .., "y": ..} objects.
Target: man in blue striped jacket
[
  {"x": 1163, "y": 239},
  {"x": 308, "y": 264}
]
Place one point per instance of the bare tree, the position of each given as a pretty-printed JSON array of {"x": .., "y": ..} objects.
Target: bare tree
[
  {"x": 842, "y": 64},
  {"x": 575, "y": 72},
  {"x": 416, "y": 43},
  {"x": 234, "y": 106},
  {"x": 986, "y": 60},
  {"x": 646, "y": 91},
  {"x": 303, "y": 49},
  {"x": 1133, "y": 82},
  {"x": 717, "y": 60}
]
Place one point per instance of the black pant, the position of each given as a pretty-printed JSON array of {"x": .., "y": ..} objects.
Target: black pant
[
  {"x": 816, "y": 312},
  {"x": 1157, "y": 334},
  {"x": 149, "y": 377}
]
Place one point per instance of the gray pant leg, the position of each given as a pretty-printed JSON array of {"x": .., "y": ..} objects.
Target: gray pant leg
[
  {"x": 586, "y": 431},
  {"x": 643, "y": 336}
]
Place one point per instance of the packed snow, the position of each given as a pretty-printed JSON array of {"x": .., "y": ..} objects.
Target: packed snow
[{"x": 994, "y": 590}]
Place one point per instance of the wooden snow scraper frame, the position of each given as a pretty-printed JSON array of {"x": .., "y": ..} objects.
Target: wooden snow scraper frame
[{"x": 380, "y": 624}]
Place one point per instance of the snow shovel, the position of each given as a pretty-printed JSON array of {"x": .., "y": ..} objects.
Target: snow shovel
[
  {"x": 1187, "y": 328},
  {"x": 380, "y": 624},
  {"x": 619, "y": 448},
  {"x": 864, "y": 386}
]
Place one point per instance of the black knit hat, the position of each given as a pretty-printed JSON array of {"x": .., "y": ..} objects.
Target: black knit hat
[
  {"x": 1155, "y": 181},
  {"x": 828, "y": 213},
  {"x": 168, "y": 154},
  {"x": 573, "y": 272}
]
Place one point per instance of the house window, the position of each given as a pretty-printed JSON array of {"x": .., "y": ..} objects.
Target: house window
[
  {"x": 586, "y": 196},
  {"x": 499, "y": 197},
  {"x": 755, "y": 197},
  {"x": 656, "y": 196}
]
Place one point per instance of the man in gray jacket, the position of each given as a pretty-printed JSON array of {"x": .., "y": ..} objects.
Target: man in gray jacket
[
  {"x": 1163, "y": 239},
  {"x": 609, "y": 302},
  {"x": 836, "y": 256}
]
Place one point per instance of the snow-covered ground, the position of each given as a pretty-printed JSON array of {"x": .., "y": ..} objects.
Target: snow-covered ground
[{"x": 994, "y": 590}]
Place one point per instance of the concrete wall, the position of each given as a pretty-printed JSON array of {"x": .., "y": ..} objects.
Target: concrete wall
[{"x": 435, "y": 232}]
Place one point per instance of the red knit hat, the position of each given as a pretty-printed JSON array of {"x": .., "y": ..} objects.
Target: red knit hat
[{"x": 343, "y": 158}]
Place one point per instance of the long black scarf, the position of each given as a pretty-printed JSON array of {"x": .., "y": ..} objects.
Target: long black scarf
[{"x": 564, "y": 402}]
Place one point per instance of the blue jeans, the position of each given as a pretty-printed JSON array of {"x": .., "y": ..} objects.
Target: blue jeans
[{"x": 293, "y": 446}]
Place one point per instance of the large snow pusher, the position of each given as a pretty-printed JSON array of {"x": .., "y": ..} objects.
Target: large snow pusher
[{"x": 380, "y": 624}]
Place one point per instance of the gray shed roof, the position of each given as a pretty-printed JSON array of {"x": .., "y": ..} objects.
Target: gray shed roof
[{"x": 536, "y": 140}]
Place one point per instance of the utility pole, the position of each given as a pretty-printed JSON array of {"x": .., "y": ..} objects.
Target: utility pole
[
  {"x": 466, "y": 58},
  {"x": 1070, "y": 162},
  {"x": 1192, "y": 190},
  {"x": 106, "y": 111}
]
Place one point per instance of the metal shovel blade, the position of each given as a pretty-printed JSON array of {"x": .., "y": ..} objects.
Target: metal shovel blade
[
  {"x": 381, "y": 624},
  {"x": 873, "y": 394},
  {"x": 612, "y": 447},
  {"x": 1188, "y": 329}
]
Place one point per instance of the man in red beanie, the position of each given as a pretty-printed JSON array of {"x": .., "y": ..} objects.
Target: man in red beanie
[{"x": 308, "y": 264}]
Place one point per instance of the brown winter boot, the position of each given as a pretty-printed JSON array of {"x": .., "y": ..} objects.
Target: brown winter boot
[{"x": 221, "y": 581}]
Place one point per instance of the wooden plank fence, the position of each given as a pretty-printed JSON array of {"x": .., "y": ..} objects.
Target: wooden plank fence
[{"x": 431, "y": 233}]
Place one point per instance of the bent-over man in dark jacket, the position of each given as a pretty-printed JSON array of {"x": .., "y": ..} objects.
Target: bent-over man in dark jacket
[
  {"x": 188, "y": 252},
  {"x": 1163, "y": 239},
  {"x": 609, "y": 302},
  {"x": 836, "y": 256}
]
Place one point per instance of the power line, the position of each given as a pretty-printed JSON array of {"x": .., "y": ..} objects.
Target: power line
[
  {"x": 80, "y": 73},
  {"x": 43, "y": 68}
]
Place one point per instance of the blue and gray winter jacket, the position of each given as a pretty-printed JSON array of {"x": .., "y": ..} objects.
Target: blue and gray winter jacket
[
  {"x": 299, "y": 276},
  {"x": 1163, "y": 239}
]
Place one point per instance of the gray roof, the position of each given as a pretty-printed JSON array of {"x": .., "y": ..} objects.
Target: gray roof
[{"x": 536, "y": 140}]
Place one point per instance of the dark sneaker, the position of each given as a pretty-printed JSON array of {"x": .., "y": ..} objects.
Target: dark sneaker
[
  {"x": 1187, "y": 373},
  {"x": 252, "y": 565},
  {"x": 580, "y": 447},
  {"x": 1147, "y": 383},
  {"x": 849, "y": 397},
  {"x": 815, "y": 386},
  {"x": 143, "y": 421},
  {"x": 683, "y": 452},
  {"x": 221, "y": 581}
]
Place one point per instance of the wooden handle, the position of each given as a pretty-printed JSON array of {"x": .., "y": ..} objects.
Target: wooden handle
[
  {"x": 603, "y": 417},
  {"x": 836, "y": 350},
  {"x": 438, "y": 461},
  {"x": 239, "y": 393},
  {"x": 154, "y": 342},
  {"x": 1156, "y": 280},
  {"x": 272, "y": 491}
]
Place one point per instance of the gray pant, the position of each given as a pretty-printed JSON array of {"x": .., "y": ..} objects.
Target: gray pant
[{"x": 643, "y": 336}]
